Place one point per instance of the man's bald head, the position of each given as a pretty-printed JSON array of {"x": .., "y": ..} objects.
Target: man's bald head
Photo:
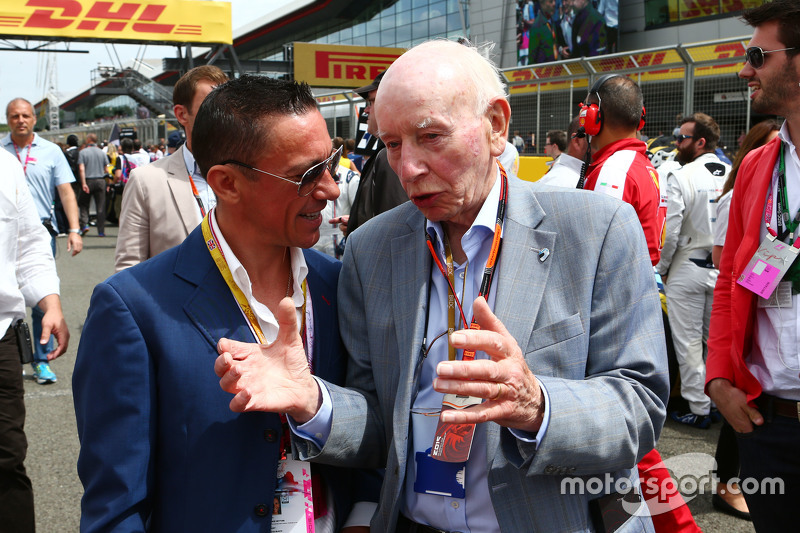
[
  {"x": 448, "y": 70},
  {"x": 443, "y": 114}
]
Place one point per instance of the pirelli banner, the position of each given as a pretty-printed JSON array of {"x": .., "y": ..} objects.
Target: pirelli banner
[
  {"x": 349, "y": 67},
  {"x": 192, "y": 21}
]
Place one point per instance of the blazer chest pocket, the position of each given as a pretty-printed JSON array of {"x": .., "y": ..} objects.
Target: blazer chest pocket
[{"x": 554, "y": 333}]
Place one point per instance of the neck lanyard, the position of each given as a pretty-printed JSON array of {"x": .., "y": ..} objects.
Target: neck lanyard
[
  {"x": 222, "y": 264},
  {"x": 197, "y": 196},
  {"x": 782, "y": 206},
  {"x": 27, "y": 156},
  {"x": 451, "y": 297},
  {"x": 491, "y": 262}
]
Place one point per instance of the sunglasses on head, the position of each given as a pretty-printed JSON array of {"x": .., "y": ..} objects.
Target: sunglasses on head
[
  {"x": 308, "y": 182},
  {"x": 755, "y": 55}
]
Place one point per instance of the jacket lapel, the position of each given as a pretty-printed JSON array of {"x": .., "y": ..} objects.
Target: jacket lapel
[
  {"x": 522, "y": 276},
  {"x": 181, "y": 190},
  {"x": 327, "y": 357},
  {"x": 211, "y": 308},
  {"x": 410, "y": 276}
]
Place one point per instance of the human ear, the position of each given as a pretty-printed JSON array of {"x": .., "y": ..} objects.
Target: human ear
[{"x": 499, "y": 116}]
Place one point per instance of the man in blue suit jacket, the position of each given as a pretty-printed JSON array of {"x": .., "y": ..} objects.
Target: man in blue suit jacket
[
  {"x": 571, "y": 363},
  {"x": 160, "y": 448}
]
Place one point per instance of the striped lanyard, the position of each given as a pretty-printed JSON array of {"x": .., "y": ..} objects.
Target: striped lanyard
[
  {"x": 197, "y": 196},
  {"x": 488, "y": 271}
]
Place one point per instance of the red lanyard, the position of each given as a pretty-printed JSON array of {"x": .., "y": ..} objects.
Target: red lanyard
[
  {"x": 27, "y": 156},
  {"x": 491, "y": 262}
]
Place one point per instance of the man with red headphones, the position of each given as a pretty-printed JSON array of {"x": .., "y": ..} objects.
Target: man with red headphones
[{"x": 612, "y": 116}]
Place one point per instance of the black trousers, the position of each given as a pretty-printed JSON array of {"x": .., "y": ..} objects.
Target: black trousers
[
  {"x": 727, "y": 454},
  {"x": 16, "y": 492},
  {"x": 97, "y": 190},
  {"x": 770, "y": 472}
]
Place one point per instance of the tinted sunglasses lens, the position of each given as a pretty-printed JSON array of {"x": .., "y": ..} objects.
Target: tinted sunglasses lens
[
  {"x": 755, "y": 56},
  {"x": 312, "y": 176},
  {"x": 310, "y": 179},
  {"x": 333, "y": 164}
]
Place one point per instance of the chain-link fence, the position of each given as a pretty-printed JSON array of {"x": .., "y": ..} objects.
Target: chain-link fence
[
  {"x": 676, "y": 81},
  {"x": 148, "y": 130}
]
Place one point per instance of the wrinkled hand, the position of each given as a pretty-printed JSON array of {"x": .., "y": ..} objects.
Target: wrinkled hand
[
  {"x": 53, "y": 323},
  {"x": 515, "y": 399},
  {"x": 273, "y": 378},
  {"x": 74, "y": 243},
  {"x": 732, "y": 403}
]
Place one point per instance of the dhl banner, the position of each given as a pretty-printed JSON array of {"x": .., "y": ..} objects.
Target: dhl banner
[
  {"x": 690, "y": 9},
  {"x": 192, "y": 21},
  {"x": 329, "y": 65},
  {"x": 552, "y": 77}
]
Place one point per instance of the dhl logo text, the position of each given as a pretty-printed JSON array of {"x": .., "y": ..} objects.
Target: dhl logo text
[{"x": 114, "y": 17}]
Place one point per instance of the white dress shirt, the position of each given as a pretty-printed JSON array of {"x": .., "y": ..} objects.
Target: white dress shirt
[
  {"x": 266, "y": 320},
  {"x": 775, "y": 358},
  {"x": 565, "y": 172},
  {"x": 28, "y": 269}
]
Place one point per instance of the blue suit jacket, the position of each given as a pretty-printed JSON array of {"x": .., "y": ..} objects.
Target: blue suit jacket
[
  {"x": 587, "y": 320},
  {"x": 160, "y": 448}
]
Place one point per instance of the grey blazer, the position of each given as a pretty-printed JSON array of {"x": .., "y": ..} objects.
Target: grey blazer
[
  {"x": 158, "y": 210},
  {"x": 587, "y": 319}
]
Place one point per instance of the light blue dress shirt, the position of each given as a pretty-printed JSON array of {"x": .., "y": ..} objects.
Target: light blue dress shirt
[
  {"x": 207, "y": 195},
  {"x": 47, "y": 169}
]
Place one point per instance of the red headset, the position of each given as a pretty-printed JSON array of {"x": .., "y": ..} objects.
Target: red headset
[{"x": 590, "y": 117}]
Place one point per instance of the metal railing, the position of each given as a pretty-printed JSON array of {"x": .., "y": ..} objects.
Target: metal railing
[
  {"x": 151, "y": 94},
  {"x": 148, "y": 130}
]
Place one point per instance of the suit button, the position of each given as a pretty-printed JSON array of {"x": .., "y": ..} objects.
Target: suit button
[
  {"x": 270, "y": 435},
  {"x": 261, "y": 510}
]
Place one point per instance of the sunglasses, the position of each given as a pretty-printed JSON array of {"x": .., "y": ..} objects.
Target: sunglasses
[
  {"x": 755, "y": 55},
  {"x": 680, "y": 138},
  {"x": 308, "y": 182}
]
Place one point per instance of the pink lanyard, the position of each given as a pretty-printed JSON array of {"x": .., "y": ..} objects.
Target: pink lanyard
[{"x": 27, "y": 157}]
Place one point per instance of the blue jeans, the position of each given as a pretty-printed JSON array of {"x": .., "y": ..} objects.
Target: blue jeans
[
  {"x": 40, "y": 351},
  {"x": 771, "y": 451}
]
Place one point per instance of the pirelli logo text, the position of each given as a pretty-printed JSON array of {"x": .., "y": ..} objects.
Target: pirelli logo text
[
  {"x": 136, "y": 20},
  {"x": 351, "y": 66},
  {"x": 334, "y": 65}
]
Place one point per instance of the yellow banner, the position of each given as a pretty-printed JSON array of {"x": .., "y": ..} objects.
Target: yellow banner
[
  {"x": 330, "y": 65},
  {"x": 691, "y": 9},
  {"x": 192, "y": 21}
]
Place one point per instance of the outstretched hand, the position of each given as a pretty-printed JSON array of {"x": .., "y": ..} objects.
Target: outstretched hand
[
  {"x": 274, "y": 378},
  {"x": 515, "y": 399}
]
